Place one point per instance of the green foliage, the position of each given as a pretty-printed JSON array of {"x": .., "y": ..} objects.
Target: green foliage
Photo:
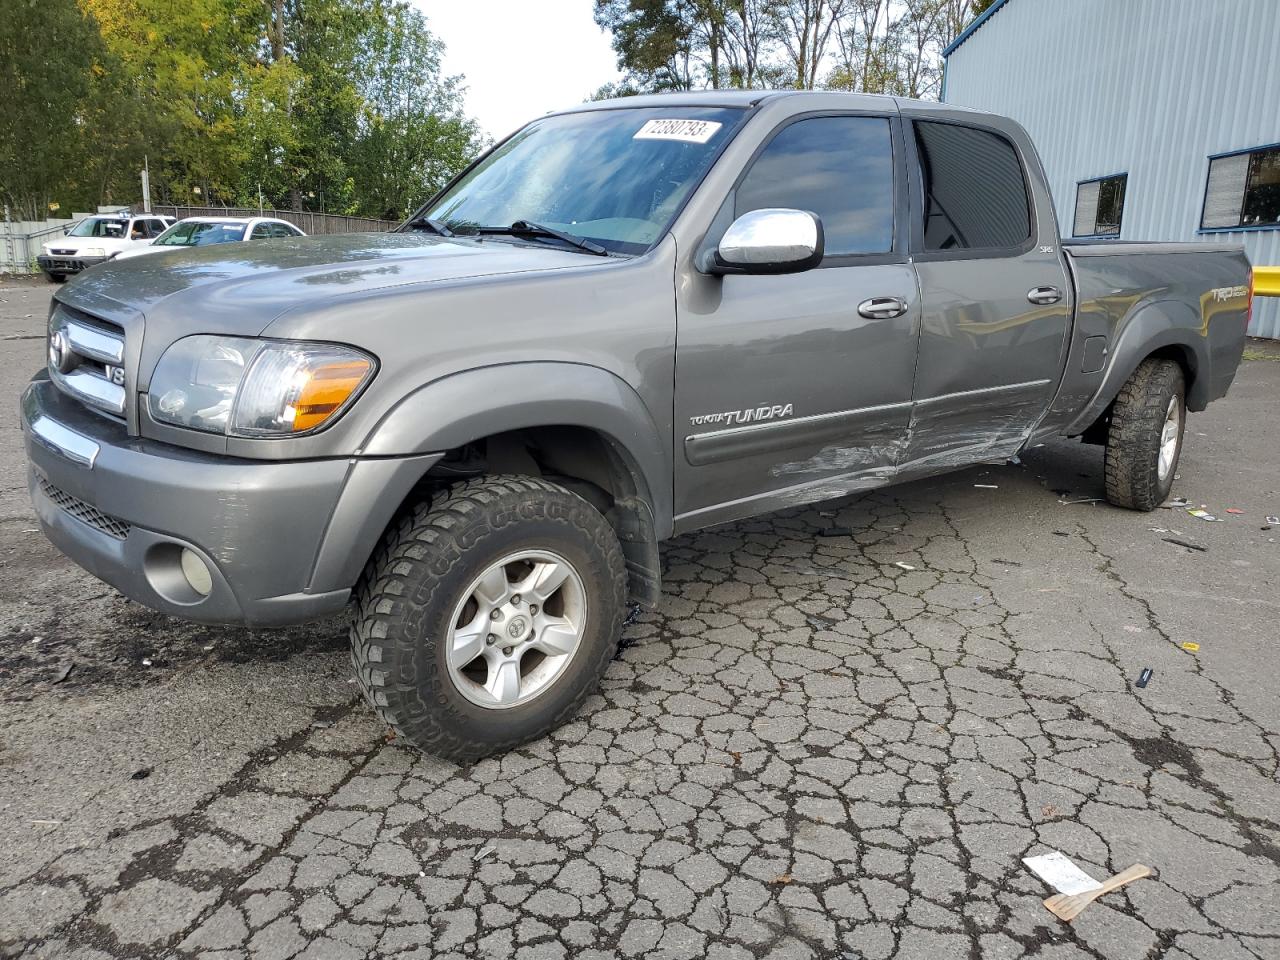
[
  {"x": 52, "y": 89},
  {"x": 873, "y": 46},
  {"x": 319, "y": 104}
]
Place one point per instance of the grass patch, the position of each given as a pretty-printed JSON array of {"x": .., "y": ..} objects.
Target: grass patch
[{"x": 1261, "y": 355}]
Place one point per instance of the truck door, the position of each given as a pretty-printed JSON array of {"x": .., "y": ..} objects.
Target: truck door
[
  {"x": 994, "y": 294},
  {"x": 797, "y": 387}
]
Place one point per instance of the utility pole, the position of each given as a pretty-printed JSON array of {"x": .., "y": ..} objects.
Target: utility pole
[
  {"x": 146, "y": 185},
  {"x": 259, "y": 199}
]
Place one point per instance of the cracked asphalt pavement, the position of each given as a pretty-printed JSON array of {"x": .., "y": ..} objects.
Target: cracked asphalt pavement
[{"x": 809, "y": 750}]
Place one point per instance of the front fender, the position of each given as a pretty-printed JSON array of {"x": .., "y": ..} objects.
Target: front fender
[
  {"x": 1159, "y": 325},
  {"x": 464, "y": 407}
]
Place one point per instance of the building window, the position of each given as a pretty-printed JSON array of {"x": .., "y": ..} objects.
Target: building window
[
  {"x": 1243, "y": 190},
  {"x": 1100, "y": 206},
  {"x": 975, "y": 194}
]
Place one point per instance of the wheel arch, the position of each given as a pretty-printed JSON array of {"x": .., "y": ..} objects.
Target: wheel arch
[
  {"x": 572, "y": 423},
  {"x": 1165, "y": 329}
]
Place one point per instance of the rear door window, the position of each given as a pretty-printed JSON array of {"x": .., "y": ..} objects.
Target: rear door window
[
  {"x": 975, "y": 196},
  {"x": 840, "y": 168}
]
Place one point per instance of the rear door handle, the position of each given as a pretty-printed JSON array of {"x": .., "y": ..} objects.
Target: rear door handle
[
  {"x": 1044, "y": 295},
  {"x": 882, "y": 308}
]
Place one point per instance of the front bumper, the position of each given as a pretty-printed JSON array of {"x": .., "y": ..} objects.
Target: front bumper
[
  {"x": 67, "y": 263},
  {"x": 123, "y": 507}
]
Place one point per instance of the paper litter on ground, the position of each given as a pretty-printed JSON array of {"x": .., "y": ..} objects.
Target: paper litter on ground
[{"x": 1059, "y": 872}]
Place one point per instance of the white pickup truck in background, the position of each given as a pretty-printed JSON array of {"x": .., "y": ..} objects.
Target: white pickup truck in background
[{"x": 98, "y": 239}]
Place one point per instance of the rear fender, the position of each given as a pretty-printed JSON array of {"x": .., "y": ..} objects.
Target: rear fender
[{"x": 1167, "y": 326}]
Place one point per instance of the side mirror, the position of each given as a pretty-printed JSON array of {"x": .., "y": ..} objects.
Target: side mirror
[{"x": 771, "y": 240}]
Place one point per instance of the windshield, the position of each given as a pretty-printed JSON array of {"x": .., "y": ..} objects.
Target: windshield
[
  {"x": 616, "y": 177},
  {"x": 188, "y": 234},
  {"x": 98, "y": 227}
]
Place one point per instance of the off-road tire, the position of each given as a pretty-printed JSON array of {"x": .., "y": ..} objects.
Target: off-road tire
[
  {"x": 1133, "y": 438},
  {"x": 417, "y": 577}
]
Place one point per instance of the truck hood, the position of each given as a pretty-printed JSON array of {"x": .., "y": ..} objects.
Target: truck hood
[{"x": 239, "y": 288}]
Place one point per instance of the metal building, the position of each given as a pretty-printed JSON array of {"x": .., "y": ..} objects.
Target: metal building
[{"x": 1155, "y": 119}]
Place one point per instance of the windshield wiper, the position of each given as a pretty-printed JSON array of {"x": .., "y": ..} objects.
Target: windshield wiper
[
  {"x": 435, "y": 226},
  {"x": 527, "y": 228}
]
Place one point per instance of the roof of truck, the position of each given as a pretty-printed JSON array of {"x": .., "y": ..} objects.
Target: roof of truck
[{"x": 749, "y": 98}]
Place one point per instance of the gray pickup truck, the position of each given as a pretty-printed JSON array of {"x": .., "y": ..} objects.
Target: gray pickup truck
[{"x": 625, "y": 322}]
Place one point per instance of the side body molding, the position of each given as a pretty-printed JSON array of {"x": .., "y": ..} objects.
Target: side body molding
[{"x": 464, "y": 407}]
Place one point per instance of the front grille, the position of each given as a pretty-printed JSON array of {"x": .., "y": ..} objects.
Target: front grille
[
  {"x": 92, "y": 366},
  {"x": 85, "y": 512},
  {"x": 62, "y": 253}
]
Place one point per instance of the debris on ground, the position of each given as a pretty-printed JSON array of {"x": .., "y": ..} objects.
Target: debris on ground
[
  {"x": 1144, "y": 678},
  {"x": 1068, "y": 503},
  {"x": 1061, "y": 533},
  {"x": 1067, "y": 907},
  {"x": 1175, "y": 503},
  {"x": 1200, "y": 513},
  {"x": 904, "y": 566},
  {"x": 1184, "y": 543},
  {"x": 1191, "y": 646},
  {"x": 986, "y": 486},
  {"x": 63, "y": 673},
  {"x": 1234, "y": 510},
  {"x": 1273, "y": 520},
  {"x": 140, "y": 774},
  {"x": 1057, "y": 870},
  {"x": 782, "y": 878},
  {"x": 836, "y": 532},
  {"x": 1007, "y": 563}
]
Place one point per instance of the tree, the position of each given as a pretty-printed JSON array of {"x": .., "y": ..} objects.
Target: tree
[
  {"x": 51, "y": 90},
  {"x": 412, "y": 134}
]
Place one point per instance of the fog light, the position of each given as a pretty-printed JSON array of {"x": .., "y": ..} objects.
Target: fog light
[{"x": 196, "y": 572}]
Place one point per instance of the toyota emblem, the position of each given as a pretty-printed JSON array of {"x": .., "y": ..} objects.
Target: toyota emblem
[{"x": 60, "y": 357}]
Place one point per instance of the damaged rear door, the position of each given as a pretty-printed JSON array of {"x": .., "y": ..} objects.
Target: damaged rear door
[{"x": 995, "y": 296}]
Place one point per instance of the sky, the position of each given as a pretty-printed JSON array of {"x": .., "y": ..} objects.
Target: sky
[{"x": 521, "y": 58}]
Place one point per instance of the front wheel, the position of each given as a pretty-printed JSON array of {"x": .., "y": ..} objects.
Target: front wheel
[
  {"x": 56, "y": 277},
  {"x": 488, "y": 615},
  {"x": 1144, "y": 439}
]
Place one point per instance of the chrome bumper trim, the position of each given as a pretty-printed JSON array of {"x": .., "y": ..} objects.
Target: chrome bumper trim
[{"x": 61, "y": 439}]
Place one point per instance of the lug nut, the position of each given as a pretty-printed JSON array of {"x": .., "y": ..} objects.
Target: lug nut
[
  {"x": 533, "y": 609},
  {"x": 490, "y": 640},
  {"x": 506, "y": 651},
  {"x": 496, "y": 615},
  {"x": 515, "y": 600}
]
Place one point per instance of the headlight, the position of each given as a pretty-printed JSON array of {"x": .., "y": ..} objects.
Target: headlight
[
  {"x": 255, "y": 388},
  {"x": 93, "y": 252}
]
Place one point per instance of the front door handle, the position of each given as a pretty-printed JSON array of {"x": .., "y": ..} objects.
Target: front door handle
[
  {"x": 882, "y": 308},
  {"x": 1044, "y": 295}
]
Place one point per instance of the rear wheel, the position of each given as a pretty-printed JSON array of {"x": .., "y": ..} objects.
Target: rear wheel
[
  {"x": 488, "y": 615},
  {"x": 1144, "y": 440}
]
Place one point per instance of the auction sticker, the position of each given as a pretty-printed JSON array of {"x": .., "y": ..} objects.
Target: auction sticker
[{"x": 688, "y": 131}]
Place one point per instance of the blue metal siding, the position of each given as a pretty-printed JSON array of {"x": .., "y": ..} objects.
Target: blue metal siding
[{"x": 1154, "y": 87}]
